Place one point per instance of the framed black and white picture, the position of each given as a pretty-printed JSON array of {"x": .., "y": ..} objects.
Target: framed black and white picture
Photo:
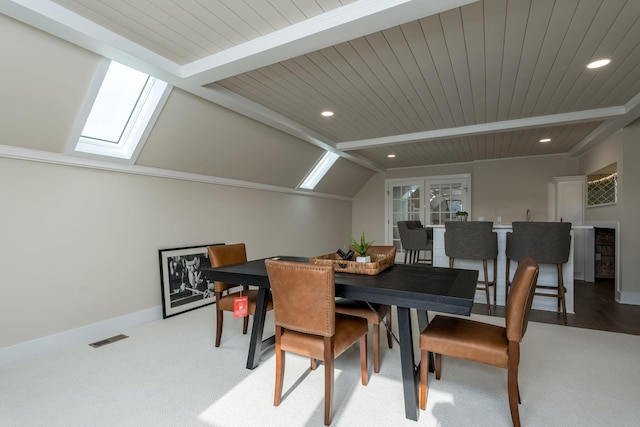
[{"x": 184, "y": 286}]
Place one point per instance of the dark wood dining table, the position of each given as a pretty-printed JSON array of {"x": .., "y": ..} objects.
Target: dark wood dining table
[{"x": 414, "y": 286}]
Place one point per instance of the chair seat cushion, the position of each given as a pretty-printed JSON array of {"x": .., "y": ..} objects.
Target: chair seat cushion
[
  {"x": 466, "y": 339},
  {"x": 226, "y": 302},
  {"x": 361, "y": 309},
  {"x": 349, "y": 329}
]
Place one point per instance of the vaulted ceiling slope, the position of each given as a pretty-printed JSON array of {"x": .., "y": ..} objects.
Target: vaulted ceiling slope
[{"x": 431, "y": 82}]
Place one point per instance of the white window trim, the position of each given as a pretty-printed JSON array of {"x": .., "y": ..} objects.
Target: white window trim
[
  {"x": 135, "y": 135},
  {"x": 319, "y": 170}
]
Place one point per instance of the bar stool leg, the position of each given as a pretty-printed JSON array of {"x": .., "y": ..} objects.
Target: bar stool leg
[
  {"x": 495, "y": 281},
  {"x": 486, "y": 285},
  {"x": 561, "y": 294},
  {"x": 507, "y": 283}
]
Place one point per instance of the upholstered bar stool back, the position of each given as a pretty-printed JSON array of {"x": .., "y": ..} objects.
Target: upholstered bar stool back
[
  {"x": 473, "y": 240},
  {"x": 547, "y": 243},
  {"x": 415, "y": 238}
]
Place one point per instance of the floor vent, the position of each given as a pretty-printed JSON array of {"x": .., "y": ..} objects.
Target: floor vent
[{"x": 108, "y": 341}]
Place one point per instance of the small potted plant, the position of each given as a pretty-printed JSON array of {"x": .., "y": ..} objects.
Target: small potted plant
[
  {"x": 361, "y": 247},
  {"x": 462, "y": 215}
]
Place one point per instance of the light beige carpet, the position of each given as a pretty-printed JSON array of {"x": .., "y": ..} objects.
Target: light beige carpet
[{"x": 168, "y": 373}]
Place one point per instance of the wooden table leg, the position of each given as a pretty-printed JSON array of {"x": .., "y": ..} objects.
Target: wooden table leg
[
  {"x": 255, "y": 345},
  {"x": 409, "y": 377}
]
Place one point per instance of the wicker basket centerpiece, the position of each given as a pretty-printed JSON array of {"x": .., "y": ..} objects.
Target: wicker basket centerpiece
[{"x": 379, "y": 262}]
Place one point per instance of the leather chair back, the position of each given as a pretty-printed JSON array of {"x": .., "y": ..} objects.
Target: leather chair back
[
  {"x": 383, "y": 250},
  {"x": 521, "y": 298},
  {"x": 220, "y": 255},
  {"x": 299, "y": 302}
]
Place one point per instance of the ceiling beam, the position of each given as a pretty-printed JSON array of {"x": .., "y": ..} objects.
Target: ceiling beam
[
  {"x": 608, "y": 128},
  {"x": 339, "y": 25},
  {"x": 484, "y": 128}
]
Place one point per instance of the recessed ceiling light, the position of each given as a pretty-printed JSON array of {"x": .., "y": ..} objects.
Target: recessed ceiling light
[
  {"x": 327, "y": 113},
  {"x": 599, "y": 63},
  {"x": 391, "y": 155},
  {"x": 545, "y": 140}
]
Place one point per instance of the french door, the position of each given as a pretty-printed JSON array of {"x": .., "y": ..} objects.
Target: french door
[{"x": 430, "y": 200}]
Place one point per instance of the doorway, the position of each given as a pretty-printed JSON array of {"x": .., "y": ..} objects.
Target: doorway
[{"x": 430, "y": 200}]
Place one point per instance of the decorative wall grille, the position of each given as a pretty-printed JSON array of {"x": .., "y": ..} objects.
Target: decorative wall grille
[{"x": 602, "y": 190}]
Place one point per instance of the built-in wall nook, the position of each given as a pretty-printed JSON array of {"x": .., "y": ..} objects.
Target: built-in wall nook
[
  {"x": 605, "y": 253},
  {"x": 602, "y": 186}
]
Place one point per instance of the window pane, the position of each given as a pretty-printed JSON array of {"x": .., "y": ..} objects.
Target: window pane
[{"x": 116, "y": 100}]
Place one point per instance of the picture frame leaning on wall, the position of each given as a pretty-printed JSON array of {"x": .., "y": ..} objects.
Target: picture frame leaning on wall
[{"x": 184, "y": 286}]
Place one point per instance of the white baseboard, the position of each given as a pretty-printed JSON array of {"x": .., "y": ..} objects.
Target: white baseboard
[
  {"x": 84, "y": 335},
  {"x": 632, "y": 298}
]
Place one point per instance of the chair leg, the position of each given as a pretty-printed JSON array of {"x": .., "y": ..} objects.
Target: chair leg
[
  {"x": 561, "y": 295},
  {"x": 245, "y": 325},
  {"x": 486, "y": 285},
  {"x": 363, "y": 359},
  {"x": 313, "y": 364},
  {"x": 438, "y": 365},
  {"x": 328, "y": 379},
  {"x": 512, "y": 379},
  {"x": 389, "y": 337},
  {"x": 406, "y": 252},
  {"x": 506, "y": 282},
  {"x": 219, "y": 319},
  {"x": 376, "y": 348},
  {"x": 279, "y": 368},
  {"x": 424, "y": 378}
]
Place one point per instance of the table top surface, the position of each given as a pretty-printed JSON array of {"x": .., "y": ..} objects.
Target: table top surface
[{"x": 449, "y": 290}]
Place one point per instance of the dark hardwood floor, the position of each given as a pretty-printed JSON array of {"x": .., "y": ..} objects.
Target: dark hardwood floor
[{"x": 595, "y": 308}]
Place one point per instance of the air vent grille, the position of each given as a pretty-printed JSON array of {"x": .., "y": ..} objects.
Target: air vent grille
[{"x": 108, "y": 341}]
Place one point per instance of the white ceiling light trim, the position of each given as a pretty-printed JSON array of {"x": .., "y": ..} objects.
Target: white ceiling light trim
[{"x": 599, "y": 63}]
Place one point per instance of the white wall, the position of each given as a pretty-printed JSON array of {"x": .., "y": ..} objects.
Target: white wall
[
  {"x": 630, "y": 213},
  {"x": 80, "y": 246}
]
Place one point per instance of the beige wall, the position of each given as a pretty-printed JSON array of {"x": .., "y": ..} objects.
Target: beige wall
[
  {"x": 514, "y": 185},
  {"x": 80, "y": 246},
  {"x": 621, "y": 148},
  {"x": 603, "y": 155}
]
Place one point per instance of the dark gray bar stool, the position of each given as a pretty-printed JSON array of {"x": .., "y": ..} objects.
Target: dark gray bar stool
[
  {"x": 473, "y": 240},
  {"x": 547, "y": 243},
  {"x": 415, "y": 238}
]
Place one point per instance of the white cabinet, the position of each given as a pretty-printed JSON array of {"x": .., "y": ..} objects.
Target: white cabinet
[
  {"x": 567, "y": 201},
  {"x": 570, "y": 199}
]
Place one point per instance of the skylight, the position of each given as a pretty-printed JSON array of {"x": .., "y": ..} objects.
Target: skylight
[
  {"x": 122, "y": 112},
  {"x": 319, "y": 171}
]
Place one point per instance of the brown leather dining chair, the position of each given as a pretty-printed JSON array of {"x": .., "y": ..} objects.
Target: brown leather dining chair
[
  {"x": 379, "y": 313},
  {"x": 220, "y": 255},
  {"x": 482, "y": 342},
  {"x": 307, "y": 324}
]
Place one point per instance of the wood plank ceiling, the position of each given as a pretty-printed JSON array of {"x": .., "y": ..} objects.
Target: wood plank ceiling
[{"x": 459, "y": 81}]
